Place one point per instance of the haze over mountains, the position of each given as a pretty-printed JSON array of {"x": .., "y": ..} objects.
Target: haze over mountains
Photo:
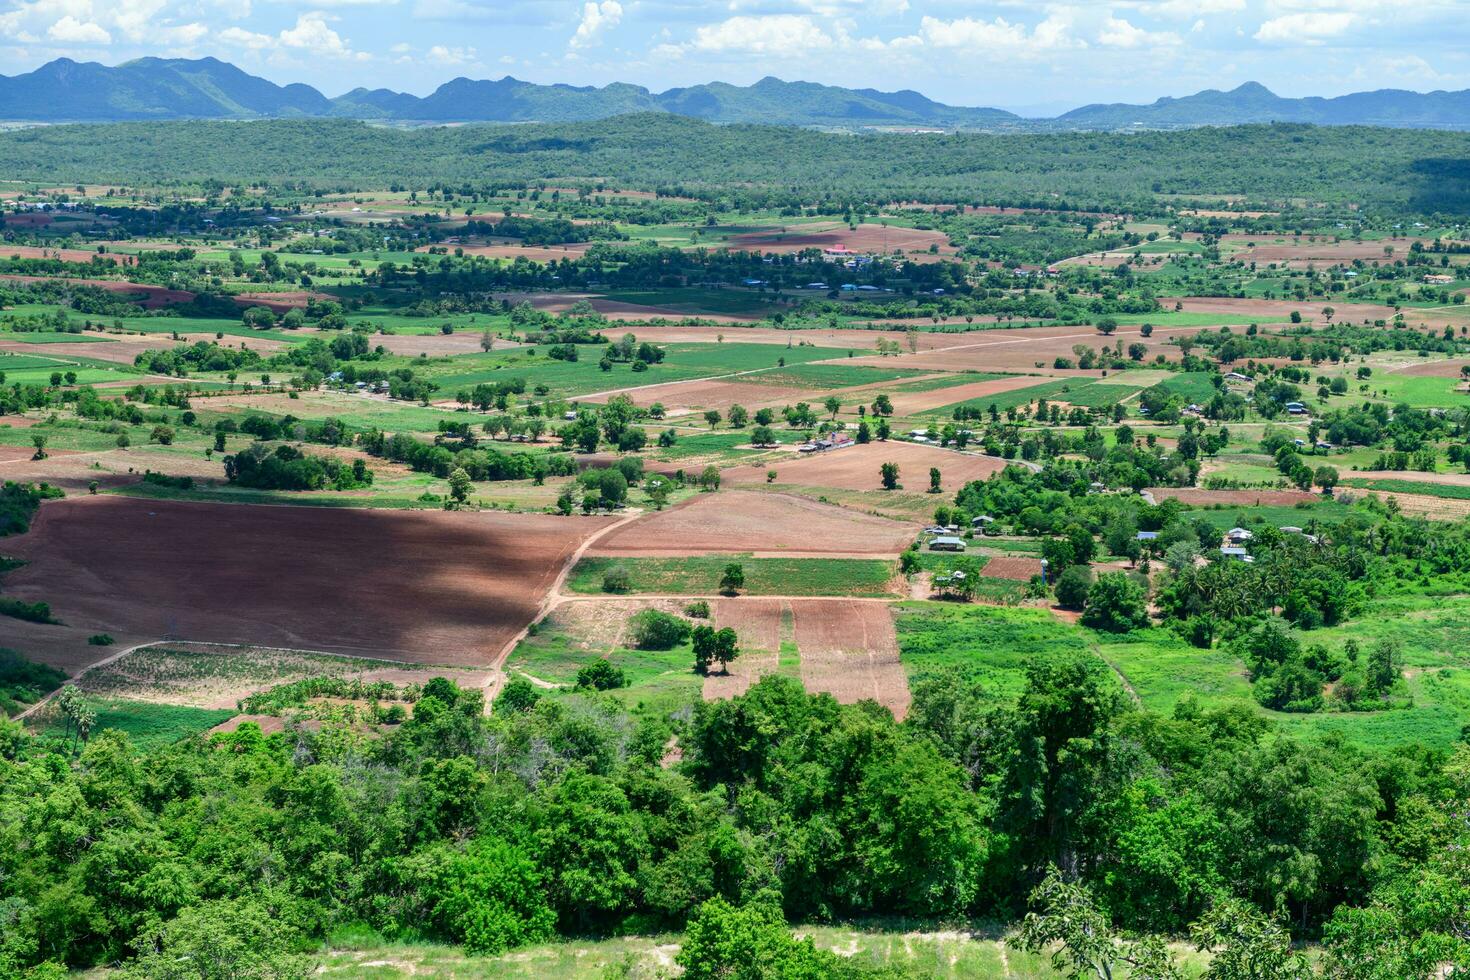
[{"x": 155, "y": 88}]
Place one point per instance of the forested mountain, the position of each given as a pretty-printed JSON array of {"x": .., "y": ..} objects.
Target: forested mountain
[
  {"x": 1420, "y": 171},
  {"x": 151, "y": 88},
  {"x": 1254, "y": 103},
  {"x": 154, "y": 88}
]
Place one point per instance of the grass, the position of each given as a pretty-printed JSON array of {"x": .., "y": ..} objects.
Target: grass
[
  {"x": 990, "y": 643},
  {"x": 827, "y": 376},
  {"x": 1055, "y": 390},
  {"x": 700, "y": 575},
  {"x": 1446, "y": 490},
  {"x": 148, "y": 725},
  {"x": 1193, "y": 386}
]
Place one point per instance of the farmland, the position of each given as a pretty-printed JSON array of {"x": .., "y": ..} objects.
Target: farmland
[{"x": 536, "y": 575}]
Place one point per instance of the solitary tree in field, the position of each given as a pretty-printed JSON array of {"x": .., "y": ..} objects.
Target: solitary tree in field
[
  {"x": 712, "y": 417},
  {"x": 1326, "y": 478},
  {"x": 934, "y": 479},
  {"x": 487, "y": 340},
  {"x": 1106, "y": 325},
  {"x": 460, "y": 485},
  {"x": 888, "y": 473},
  {"x": 39, "y": 441},
  {"x": 882, "y": 405},
  {"x": 732, "y": 580},
  {"x": 833, "y": 405}
]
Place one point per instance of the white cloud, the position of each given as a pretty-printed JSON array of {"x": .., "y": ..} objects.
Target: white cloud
[
  {"x": 596, "y": 18},
  {"x": 1307, "y": 27},
  {"x": 450, "y": 56},
  {"x": 1117, "y": 33},
  {"x": 1190, "y": 8},
  {"x": 313, "y": 34},
  {"x": 241, "y": 38},
  {"x": 780, "y": 35},
  {"x": 997, "y": 36},
  {"x": 72, "y": 31}
]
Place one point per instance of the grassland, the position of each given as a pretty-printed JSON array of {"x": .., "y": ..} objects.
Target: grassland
[
  {"x": 146, "y": 723},
  {"x": 849, "y": 577}
]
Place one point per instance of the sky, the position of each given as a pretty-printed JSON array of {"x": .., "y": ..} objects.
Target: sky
[{"x": 1033, "y": 57}]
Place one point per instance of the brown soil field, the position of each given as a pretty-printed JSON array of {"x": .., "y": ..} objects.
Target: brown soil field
[
  {"x": 839, "y": 339},
  {"x": 868, "y": 238},
  {"x": 1435, "y": 369},
  {"x": 849, "y": 649},
  {"x": 914, "y": 402},
  {"x": 1249, "y": 498},
  {"x": 466, "y": 341},
  {"x": 282, "y": 301},
  {"x": 856, "y": 467},
  {"x": 1301, "y": 252},
  {"x": 73, "y": 471},
  {"x": 11, "y": 454},
  {"x": 741, "y": 521},
  {"x": 27, "y": 219},
  {"x": 425, "y": 587},
  {"x": 64, "y": 254},
  {"x": 758, "y": 623},
  {"x": 1422, "y": 505},
  {"x": 1012, "y": 567},
  {"x": 614, "y": 309},
  {"x": 1251, "y": 309},
  {"x": 148, "y": 296},
  {"x": 1410, "y": 476},
  {"x": 682, "y": 397},
  {"x": 1021, "y": 349}
]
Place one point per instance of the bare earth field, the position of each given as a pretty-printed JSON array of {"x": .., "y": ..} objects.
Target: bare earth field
[
  {"x": 1300, "y": 252},
  {"x": 63, "y": 254},
  {"x": 738, "y": 522},
  {"x": 849, "y": 649},
  {"x": 1022, "y": 349},
  {"x": 757, "y": 621},
  {"x": 1013, "y": 567},
  {"x": 682, "y": 397},
  {"x": 1435, "y": 369},
  {"x": 425, "y": 587},
  {"x": 1251, "y": 309},
  {"x": 74, "y": 471},
  {"x": 867, "y": 238},
  {"x": 150, "y": 296},
  {"x": 614, "y": 309},
  {"x": 1247, "y": 498},
  {"x": 856, "y": 468}
]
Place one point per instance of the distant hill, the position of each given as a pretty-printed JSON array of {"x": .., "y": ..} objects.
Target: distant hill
[
  {"x": 158, "y": 88},
  {"x": 1254, "y": 103}
]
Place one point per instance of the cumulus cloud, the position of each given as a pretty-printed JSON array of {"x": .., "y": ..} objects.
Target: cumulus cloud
[
  {"x": 439, "y": 54},
  {"x": 311, "y": 33},
  {"x": 72, "y": 31},
  {"x": 596, "y": 18},
  {"x": 779, "y": 35},
  {"x": 1118, "y": 33},
  {"x": 997, "y": 36},
  {"x": 1307, "y": 27}
]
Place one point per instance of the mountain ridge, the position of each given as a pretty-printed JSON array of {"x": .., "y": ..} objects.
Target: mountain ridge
[{"x": 64, "y": 90}]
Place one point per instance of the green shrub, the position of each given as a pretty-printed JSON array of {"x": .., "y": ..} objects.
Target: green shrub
[
  {"x": 617, "y": 579},
  {"x": 100, "y": 639},
  {"x": 699, "y": 609},
  {"x": 655, "y": 630},
  {"x": 600, "y": 675}
]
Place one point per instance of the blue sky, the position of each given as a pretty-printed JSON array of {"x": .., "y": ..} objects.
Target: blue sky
[{"x": 1013, "y": 54}]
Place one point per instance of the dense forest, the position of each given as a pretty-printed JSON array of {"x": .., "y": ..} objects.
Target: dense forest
[
  {"x": 1423, "y": 171},
  {"x": 567, "y": 816}
]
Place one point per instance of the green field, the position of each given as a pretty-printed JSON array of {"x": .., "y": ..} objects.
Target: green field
[
  {"x": 148, "y": 724},
  {"x": 1448, "y": 491},
  {"x": 853, "y": 577}
]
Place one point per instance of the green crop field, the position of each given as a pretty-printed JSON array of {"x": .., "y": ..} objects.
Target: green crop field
[
  {"x": 1448, "y": 491},
  {"x": 147, "y": 724},
  {"x": 856, "y": 577}
]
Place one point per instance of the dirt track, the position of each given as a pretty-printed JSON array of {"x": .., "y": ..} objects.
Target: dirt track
[{"x": 429, "y": 587}]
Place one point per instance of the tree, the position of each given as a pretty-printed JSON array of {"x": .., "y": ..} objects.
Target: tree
[
  {"x": 1326, "y": 478},
  {"x": 1073, "y": 585},
  {"x": 753, "y": 942},
  {"x": 883, "y": 406},
  {"x": 934, "y": 479},
  {"x": 709, "y": 478},
  {"x": 833, "y": 404},
  {"x": 712, "y": 417},
  {"x": 1106, "y": 326},
  {"x": 39, "y": 442},
  {"x": 884, "y": 430},
  {"x": 1116, "y": 603},
  {"x": 652, "y": 629},
  {"x": 600, "y": 675},
  {"x": 738, "y": 416},
  {"x": 460, "y": 485},
  {"x": 518, "y": 694},
  {"x": 1067, "y": 923},
  {"x": 223, "y": 939},
  {"x": 617, "y": 579},
  {"x": 487, "y": 341},
  {"x": 732, "y": 579},
  {"x": 762, "y": 435},
  {"x": 888, "y": 474}
]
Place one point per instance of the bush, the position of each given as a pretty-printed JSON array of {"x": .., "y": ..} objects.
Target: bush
[
  {"x": 699, "y": 609},
  {"x": 655, "y": 630},
  {"x": 100, "y": 640},
  {"x": 1115, "y": 603},
  {"x": 600, "y": 675},
  {"x": 518, "y": 694},
  {"x": 617, "y": 579},
  {"x": 1073, "y": 586},
  {"x": 35, "y": 612}
]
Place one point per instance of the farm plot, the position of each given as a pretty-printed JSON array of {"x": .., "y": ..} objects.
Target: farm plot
[
  {"x": 867, "y": 238},
  {"x": 856, "y": 467},
  {"x": 202, "y": 675},
  {"x": 742, "y": 522},
  {"x": 915, "y": 402},
  {"x": 1017, "y": 568},
  {"x": 760, "y": 624},
  {"x": 683, "y": 397},
  {"x": 850, "y": 650},
  {"x": 424, "y": 587},
  {"x": 1197, "y": 497}
]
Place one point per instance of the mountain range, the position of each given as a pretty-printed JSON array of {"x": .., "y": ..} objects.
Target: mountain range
[{"x": 156, "y": 88}]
